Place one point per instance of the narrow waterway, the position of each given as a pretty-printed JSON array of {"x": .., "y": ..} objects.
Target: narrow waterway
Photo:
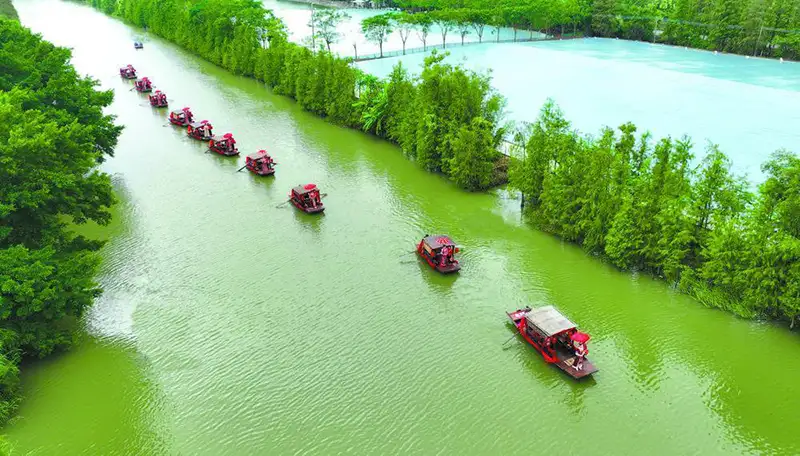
[{"x": 230, "y": 326}]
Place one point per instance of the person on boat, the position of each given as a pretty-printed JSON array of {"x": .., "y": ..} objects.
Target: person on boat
[
  {"x": 206, "y": 129},
  {"x": 188, "y": 115},
  {"x": 580, "y": 354},
  {"x": 163, "y": 98},
  {"x": 446, "y": 252}
]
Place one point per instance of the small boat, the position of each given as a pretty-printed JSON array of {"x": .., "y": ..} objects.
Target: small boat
[
  {"x": 200, "y": 130},
  {"x": 138, "y": 45},
  {"x": 181, "y": 118},
  {"x": 143, "y": 85},
  {"x": 438, "y": 251},
  {"x": 555, "y": 337},
  {"x": 307, "y": 198},
  {"x": 158, "y": 99},
  {"x": 260, "y": 163},
  {"x": 225, "y": 145},
  {"x": 128, "y": 72}
]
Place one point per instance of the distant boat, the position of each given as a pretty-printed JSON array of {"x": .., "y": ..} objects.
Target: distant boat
[{"x": 138, "y": 45}]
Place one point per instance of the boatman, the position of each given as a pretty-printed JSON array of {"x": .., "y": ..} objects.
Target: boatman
[
  {"x": 206, "y": 127},
  {"x": 580, "y": 354}
]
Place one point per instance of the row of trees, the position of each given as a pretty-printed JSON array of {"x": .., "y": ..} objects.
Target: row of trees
[
  {"x": 750, "y": 27},
  {"x": 434, "y": 117},
  {"x": 644, "y": 206},
  {"x": 53, "y": 134}
]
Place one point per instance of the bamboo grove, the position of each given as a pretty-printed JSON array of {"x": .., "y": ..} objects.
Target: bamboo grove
[
  {"x": 647, "y": 206},
  {"x": 769, "y": 28},
  {"x": 53, "y": 133}
]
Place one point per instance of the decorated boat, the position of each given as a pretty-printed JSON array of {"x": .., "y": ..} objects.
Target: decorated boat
[
  {"x": 158, "y": 99},
  {"x": 200, "y": 130},
  {"x": 438, "y": 251},
  {"x": 181, "y": 118},
  {"x": 556, "y": 338},
  {"x": 224, "y": 145},
  {"x": 128, "y": 72},
  {"x": 143, "y": 85},
  {"x": 307, "y": 198},
  {"x": 260, "y": 163}
]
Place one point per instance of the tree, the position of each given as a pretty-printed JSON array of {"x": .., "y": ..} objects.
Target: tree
[
  {"x": 404, "y": 23},
  {"x": 475, "y": 152},
  {"x": 462, "y": 24},
  {"x": 422, "y": 23},
  {"x": 377, "y": 29},
  {"x": 444, "y": 19},
  {"x": 326, "y": 22},
  {"x": 478, "y": 20}
]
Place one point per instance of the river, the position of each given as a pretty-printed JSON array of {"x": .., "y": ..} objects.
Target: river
[{"x": 229, "y": 326}]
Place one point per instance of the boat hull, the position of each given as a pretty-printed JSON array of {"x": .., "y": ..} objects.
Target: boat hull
[
  {"x": 226, "y": 153},
  {"x": 309, "y": 210},
  {"x": 268, "y": 172}
]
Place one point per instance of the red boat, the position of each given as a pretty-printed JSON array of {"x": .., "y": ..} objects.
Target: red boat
[
  {"x": 181, "y": 118},
  {"x": 307, "y": 198},
  {"x": 158, "y": 99},
  {"x": 225, "y": 145},
  {"x": 128, "y": 72},
  {"x": 556, "y": 338},
  {"x": 438, "y": 251},
  {"x": 200, "y": 130},
  {"x": 143, "y": 85},
  {"x": 260, "y": 163}
]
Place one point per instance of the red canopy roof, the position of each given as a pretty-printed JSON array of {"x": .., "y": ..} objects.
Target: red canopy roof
[
  {"x": 309, "y": 187},
  {"x": 580, "y": 337}
]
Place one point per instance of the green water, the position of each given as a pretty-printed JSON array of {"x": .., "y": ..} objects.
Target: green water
[{"x": 232, "y": 327}]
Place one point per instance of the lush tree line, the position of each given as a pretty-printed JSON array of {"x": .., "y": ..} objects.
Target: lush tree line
[
  {"x": 53, "y": 134},
  {"x": 769, "y": 28},
  {"x": 447, "y": 118},
  {"x": 645, "y": 206}
]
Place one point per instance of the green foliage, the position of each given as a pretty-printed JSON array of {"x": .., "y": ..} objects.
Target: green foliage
[
  {"x": 53, "y": 133},
  {"x": 749, "y": 27},
  {"x": 646, "y": 208}
]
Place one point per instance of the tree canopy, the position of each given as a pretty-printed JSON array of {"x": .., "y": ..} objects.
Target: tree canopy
[{"x": 53, "y": 134}]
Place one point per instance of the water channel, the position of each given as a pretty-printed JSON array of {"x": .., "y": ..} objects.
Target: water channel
[{"x": 229, "y": 326}]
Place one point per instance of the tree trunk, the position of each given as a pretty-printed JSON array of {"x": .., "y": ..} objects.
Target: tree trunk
[
  {"x": 355, "y": 50},
  {"x": 380, "y": 46},
  {"x": 404, "y": 46}
]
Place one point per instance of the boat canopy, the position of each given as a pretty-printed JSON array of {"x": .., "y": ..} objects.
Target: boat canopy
[
  {"x": 199, "y": 124},
  {"x": 548, "y": 320},
  {"x": 303, "y": 189},
  {"x": 437, "y": 241},
  {"x": 258, "y": 155}
]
